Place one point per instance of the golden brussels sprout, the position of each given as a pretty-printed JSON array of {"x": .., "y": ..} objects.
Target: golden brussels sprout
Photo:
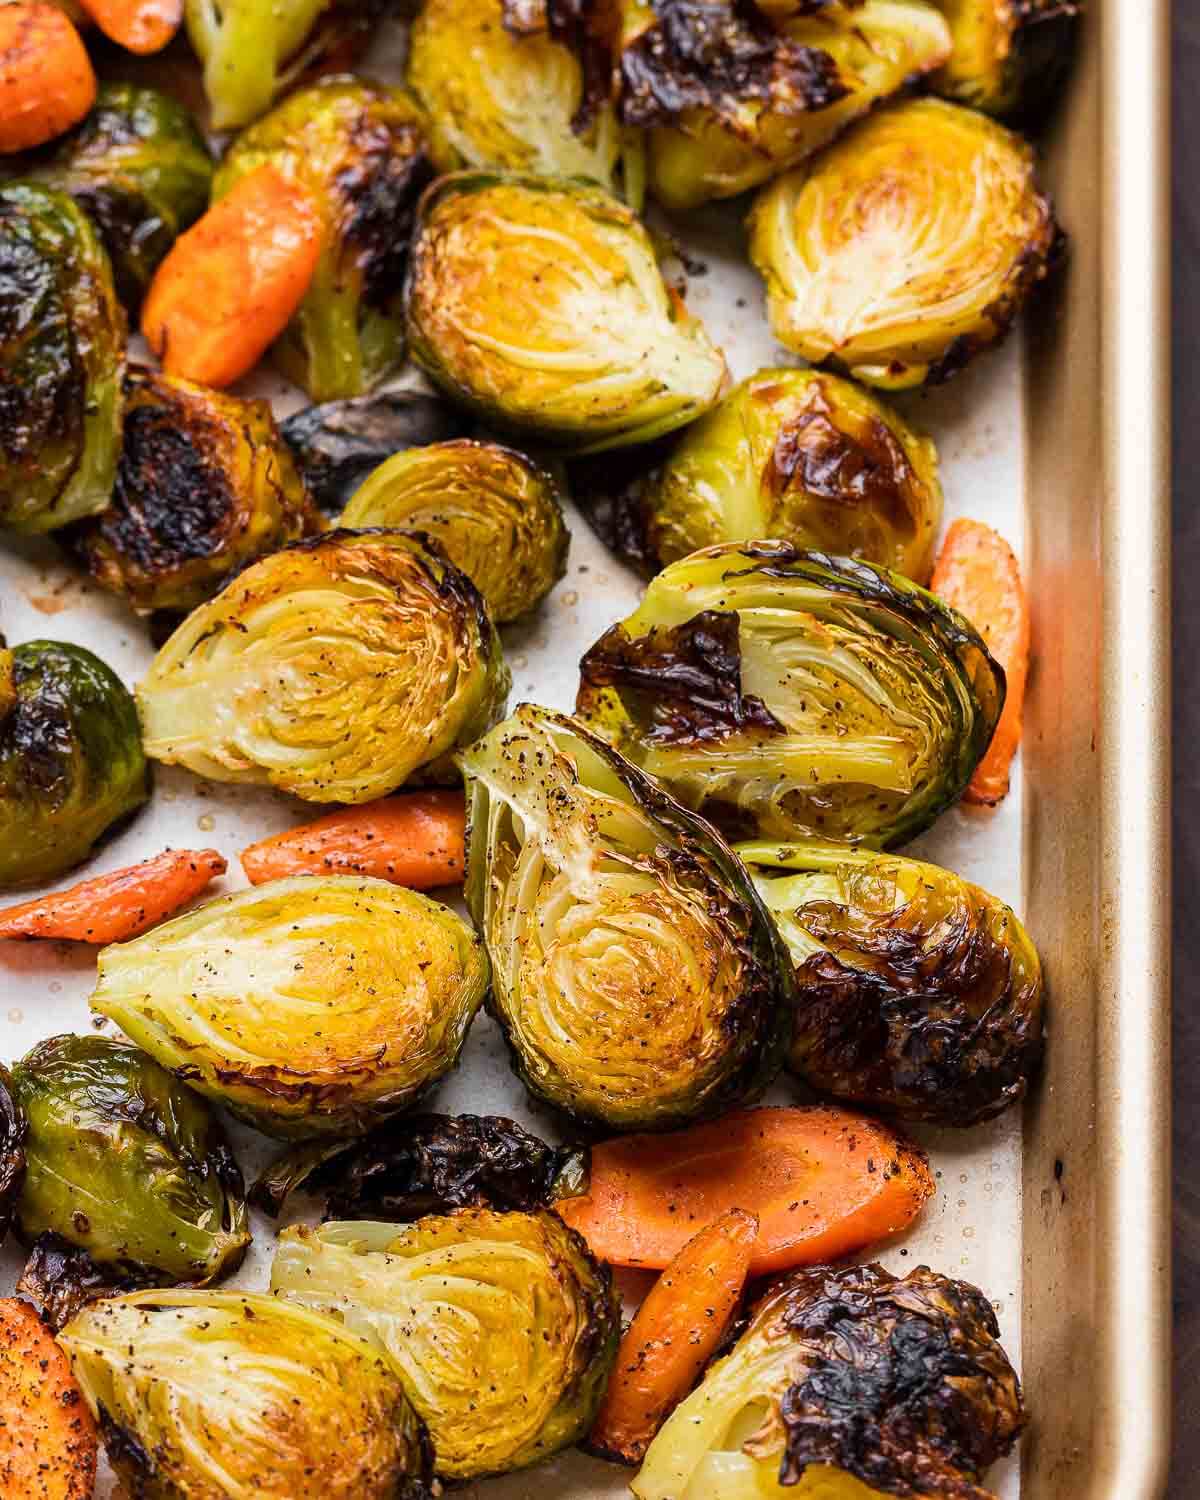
[
  {"x": 847, "y": 1385},
  {"x": 335, "y": 670},
  {"x": 539, "y": 303},
  {"x": 313, "y": 1005},
  {"x": 919, "y": 993},
  {"x": 502, "y": 1327},
  {"x": 237, "y": 1396},
  {"x": 636, "y": 975},
  {"x": 1008, "y": 58},
  {"x": 907, "y": 247},
  {"x": 786, "y": 694},
  {"x": 494, "y": 512}
]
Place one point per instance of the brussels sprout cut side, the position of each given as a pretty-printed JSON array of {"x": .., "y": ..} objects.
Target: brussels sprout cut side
[
  {"x": 907, "y": 247},
  {"x": 1008, "y": 59},
  {"x": 534, "y": 1319}
]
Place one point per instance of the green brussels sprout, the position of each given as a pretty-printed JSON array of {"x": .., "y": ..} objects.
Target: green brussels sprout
[
  {"x": 918, "y": 993},
  {"x": 636, "y": 975},
  {"x": 139, "y": 168},
  {"x": 903, "y": 287},
  {"x": 1008, "y": 59},
  {"x": 125, "y": 1162},
  {"x": 71, "y": 761},
  {"x": 210, "y": 1395},
  {"x": 846, "y": 1385},
  {"x": 785, "y": 694},
  {"x": 364, "y": 152},
  {"x": 538, "y": 302},
  {"x": 62, "y": 355},
  {"x": 310, "y": 1006},
  {"x": 13, "y": 1130},
  {"x": 495, "y": 513},
  {"x": 535, "y": 1324},
  {"x": 205, "y": 484},
  {"x": 334, "y": 669}
]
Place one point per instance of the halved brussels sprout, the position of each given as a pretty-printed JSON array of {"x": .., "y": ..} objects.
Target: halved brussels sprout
[
  {"x": 364, "y": 152},
  {"x": 62, "y": 355},
  {"x": 907, "y": 247},
  {"x": 847, "y": 1384},
  {"x": 789, "y": 695},
  {"x": 501, "y": 1326},
  {"x": 311, "y": 1006},
  {"x": 635, "y": 973},
  {"x": 205, "y": 483},
  {"x": 918, "y": 993},
  {"x": 71, "y": 761},
  {"x": 1008, "y": 58},
  {"x": 13, "y": 1129},
  {"x": 496, "y": 514},
  {"x": 335, "y": 670},
  {"x": 539, "y": 303},
  {"x": 215, "y": 1395},
  {"x": 125, "y": 1162}
]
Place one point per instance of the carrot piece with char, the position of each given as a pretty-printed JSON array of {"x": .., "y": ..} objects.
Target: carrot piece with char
[
  {"x": 47, "y": 1434},
  {"x": 47, "y": 83}
]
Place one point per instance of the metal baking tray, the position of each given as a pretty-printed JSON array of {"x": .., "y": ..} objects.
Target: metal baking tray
[{"x": 1060, "y": 440}]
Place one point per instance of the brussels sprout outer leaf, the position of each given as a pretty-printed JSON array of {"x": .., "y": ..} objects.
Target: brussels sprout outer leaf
[
  {"x": 13, "y": 1129},
  {"x": 63, "y": 1278},
  {"x": 1009, "y": 60}
]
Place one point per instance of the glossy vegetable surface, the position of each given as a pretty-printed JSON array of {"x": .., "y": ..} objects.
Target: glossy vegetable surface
[
  {"x": 141, "y": 26},
  {"x": 1008, "y": 58},
  {"x": 47, "y": 1438},
  {"x": 13, "y": 1128},
  {"x": 46, "y": 79}
]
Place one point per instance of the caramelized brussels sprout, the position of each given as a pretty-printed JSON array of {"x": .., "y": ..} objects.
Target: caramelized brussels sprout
[
  {"x": 496, "y": 514},
  {"x": 314, "y": 1005},
  {"x": 850, "y": 1383},
  {"x": 539, "y": 303},
  {"x": 62, "y": 355},
  {"x": 907, "y": 247},
  {"x": 208, "y": 1395},
  {"x": 335, "y": 670},
  {"x": 13, "y": 1130},
  {"x": 535, "y": 1325},
  {"x": 1008, "y": 59},
  {"x": 205, "y": 484},
  {"x": 71, "y": 761},
  {"x": 919, "y": 993},
  {"x": 788, "y": 695},
  {"x": 125, "y": 1162},
  {"x": 635, "y": 973}
]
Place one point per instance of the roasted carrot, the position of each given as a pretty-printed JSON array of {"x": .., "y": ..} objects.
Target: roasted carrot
[
  {"x": 116, "y": 906},
  {"x": 977, "y": 573},
  {"x": 228, "y": 287},
  {"x": 822, "y": 1181},
  {"x": 47, "y": 1434},
  {"x": 137, "y": 25},
  {"x": 46, "y": 78},
  {"x": 415, "y": 839},
  {"x": 673, "y": 1335}
]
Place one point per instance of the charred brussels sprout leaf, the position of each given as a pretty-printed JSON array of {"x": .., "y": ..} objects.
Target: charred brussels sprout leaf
[
  {"x": 1008, "y": 59},
  {"x": 62, "y": 354},
  {"x": 363, "y": 150},
  {"x": 205, "y": 484},
  {"x": 904, "y": 285},
  {"x": 335, "y": 670},
  {"x": 848, "y": 1383},
  {"x": 536, "y": 1325},
  {"x": 71, "y": 761},
  {"x": 13, "y": 1129},
  {"x": 309, "y": 1006},
  {"x": 211, "y": 1395},
  {"x": 636, "y": 975},
  {"x": 918, "y": 992},
  {"x": 789, "y": 695},
  {"x": 494, "y": 512},
  {"x": 539, "y": 303}
]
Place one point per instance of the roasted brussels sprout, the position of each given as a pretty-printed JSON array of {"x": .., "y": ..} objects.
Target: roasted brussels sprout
[
  {"x": 907, "y": 247},
  {"x": 205, "y": 483},
  {"x": 62, "y": 355},
  {"x": 539, "y": 303},
  {"x": 125, "y": 1162},
  {"x": 335, "y": 669},
  {"x": 919, "y": 993},
  {"x": 535, "y": 1324},
  {"x": 847, "y": 1383},
  {"x": 788, "y": 695},
  {"x": 1008, "y": 59},
  {"x": 496, "y": 514},
  {"x": 71, "y": 761},
  {"x": 635, "y": 973},
  {"x": 208, "y": 1395},
  {"x": 13, "y": 1130},
  {"x": 315, "y": 1005}
]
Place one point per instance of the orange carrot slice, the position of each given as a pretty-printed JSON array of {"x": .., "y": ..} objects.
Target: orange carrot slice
[
  {"x": 46, "y": 79},
  {"x": 140, "y": 26},
  {"x": 47, "y": 1434}
]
